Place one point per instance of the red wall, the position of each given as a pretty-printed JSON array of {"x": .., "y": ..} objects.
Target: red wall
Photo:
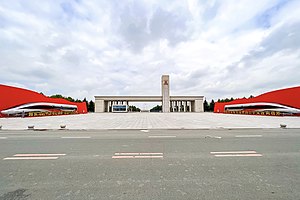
[
  {"x": 13, "y": 96},
  {"x": 288, "y": 97}
]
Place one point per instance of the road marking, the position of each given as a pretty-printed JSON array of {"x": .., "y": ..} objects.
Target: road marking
[
  {"x": 75, "y": 137},
  {"x": 146, "y": 131},
  {"x": 116, "y": 157},
  {"x": 30, "y": 158},
  {"x": 137, "y": 155},
  {"x": 239, "y": 155},
  {"x": 2, "y": 138},
  {"x": 37, "y": 155},
  {"x": 232, "y": 152},
  {"x": 247, "y": 136},
  {"x": 235, "y": 154},
  {"x": 162, "y": 136},
  {"x": 217, "y": 137}
]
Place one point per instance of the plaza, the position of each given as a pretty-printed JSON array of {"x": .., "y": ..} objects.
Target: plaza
[{"x": 103, "y": 121}]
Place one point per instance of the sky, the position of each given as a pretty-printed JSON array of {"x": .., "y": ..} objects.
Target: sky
[{"x": 212, "y": 48}]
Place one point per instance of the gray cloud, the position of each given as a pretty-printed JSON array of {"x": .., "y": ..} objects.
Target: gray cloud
[
  {"x": 87, "y": 48},
  {"x": 139, "y": 26}
]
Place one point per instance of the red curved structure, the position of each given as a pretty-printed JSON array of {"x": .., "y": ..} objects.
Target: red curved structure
[
  {"x": 275, "y": 103},
  {"x": 18, "y": 102}
]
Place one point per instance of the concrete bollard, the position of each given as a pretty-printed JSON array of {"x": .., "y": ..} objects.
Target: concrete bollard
[
  {"x": 63, "y": 126},
  {"x": 30, "y": 127},
  {"x": 282, "y": 125}
]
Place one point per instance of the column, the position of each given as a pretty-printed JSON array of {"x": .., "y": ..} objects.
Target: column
[
  {"x": 99, "y": 106},
  {"x": 173, "y": 106},
  {"x": 198, "y": 105},
  {"x": 165, "y": 93}
]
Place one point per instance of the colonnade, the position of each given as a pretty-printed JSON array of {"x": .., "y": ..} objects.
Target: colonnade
[
  {"x": 181, "y": 106},
  {"x": 175, "y": 106}
]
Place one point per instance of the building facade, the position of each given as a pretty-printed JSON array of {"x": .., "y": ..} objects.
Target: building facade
[{"x": 169, "y": 103}]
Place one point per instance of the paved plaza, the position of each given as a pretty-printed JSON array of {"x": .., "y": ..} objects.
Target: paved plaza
[{"x": 150, "y": 121}]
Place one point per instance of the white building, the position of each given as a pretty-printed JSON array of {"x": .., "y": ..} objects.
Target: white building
[{"x": 169, "y": 103}]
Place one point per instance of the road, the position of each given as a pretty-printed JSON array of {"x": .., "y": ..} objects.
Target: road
[{"x": 150, "y": 164}]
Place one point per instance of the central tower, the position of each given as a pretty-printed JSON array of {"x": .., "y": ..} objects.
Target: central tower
[{"x": 165, "y": 89}]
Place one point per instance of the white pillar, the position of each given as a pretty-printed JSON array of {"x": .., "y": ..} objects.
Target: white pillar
[
  {"x": 198, "y": 105},
  {"x": 173, "y": 106},
  {"x": 165, "y": 93},
  {"x": 99, "y": 106}
]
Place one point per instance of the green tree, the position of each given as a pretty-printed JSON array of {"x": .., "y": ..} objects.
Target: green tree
[
  {"x": 86, "y": 103},
  {"x": 59, "y": 96},
  {"x": 134, "y": 109},
  {"x": 211, "y": 106},
  {"x": 205, "y": 106},
  {"x": 70, "y": 99},
  {"x": 157, "y": 108},
  {"x": 91, "y": 106}
]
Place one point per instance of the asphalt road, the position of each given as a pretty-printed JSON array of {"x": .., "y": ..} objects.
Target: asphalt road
[{"x": 150, "y": 164}]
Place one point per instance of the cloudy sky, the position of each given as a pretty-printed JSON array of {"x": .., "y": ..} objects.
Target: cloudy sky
[{"x": 82, "y": 48}]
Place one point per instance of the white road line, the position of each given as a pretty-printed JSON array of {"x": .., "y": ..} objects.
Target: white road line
[
  {"x": 2, "y": 138},
  {"x": 30, "y": 158},
  {"x": 75, "y": 137},
  {"x": 162, "y": 136},
  {"x": 217, "y": 137},
  {"x": 121, "y": 157},
  {"x": 39, "y": 155},
  {"x": 148, "y": 156},
  {"x": 114, "y": 157},
  {"x": 232, "y": 152},
  {"x": 239, "y": 155},
  {"x": 247, "y": 136},
  {"x": 136, "y": 154},
  {"x": 146, "y": 131},
  {"x": 151, "y": 153},
  {"x": 132, "y": 154}
]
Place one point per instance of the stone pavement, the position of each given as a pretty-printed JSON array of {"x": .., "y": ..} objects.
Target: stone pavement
[{"x": 150, "y": 121}]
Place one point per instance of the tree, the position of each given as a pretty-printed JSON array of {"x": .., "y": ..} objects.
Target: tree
[
  {"x": 205, "y": 106},
  {"x": 157, "y": 108},
  {"x": 59, "y": 96},
  {"x": 134, "y": 109},
  {"x": 70, "y": 99},
  {"x": 86, "y": 103},
  {"x": 91, "y": 106},
  {"x": 225, "y": 100},
  {"x": 211, "y": 106}
]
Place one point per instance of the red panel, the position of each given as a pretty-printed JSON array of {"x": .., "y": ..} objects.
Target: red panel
[
  {"x": 13, "y": 96},
  {"x": 287, "y": 97}
]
